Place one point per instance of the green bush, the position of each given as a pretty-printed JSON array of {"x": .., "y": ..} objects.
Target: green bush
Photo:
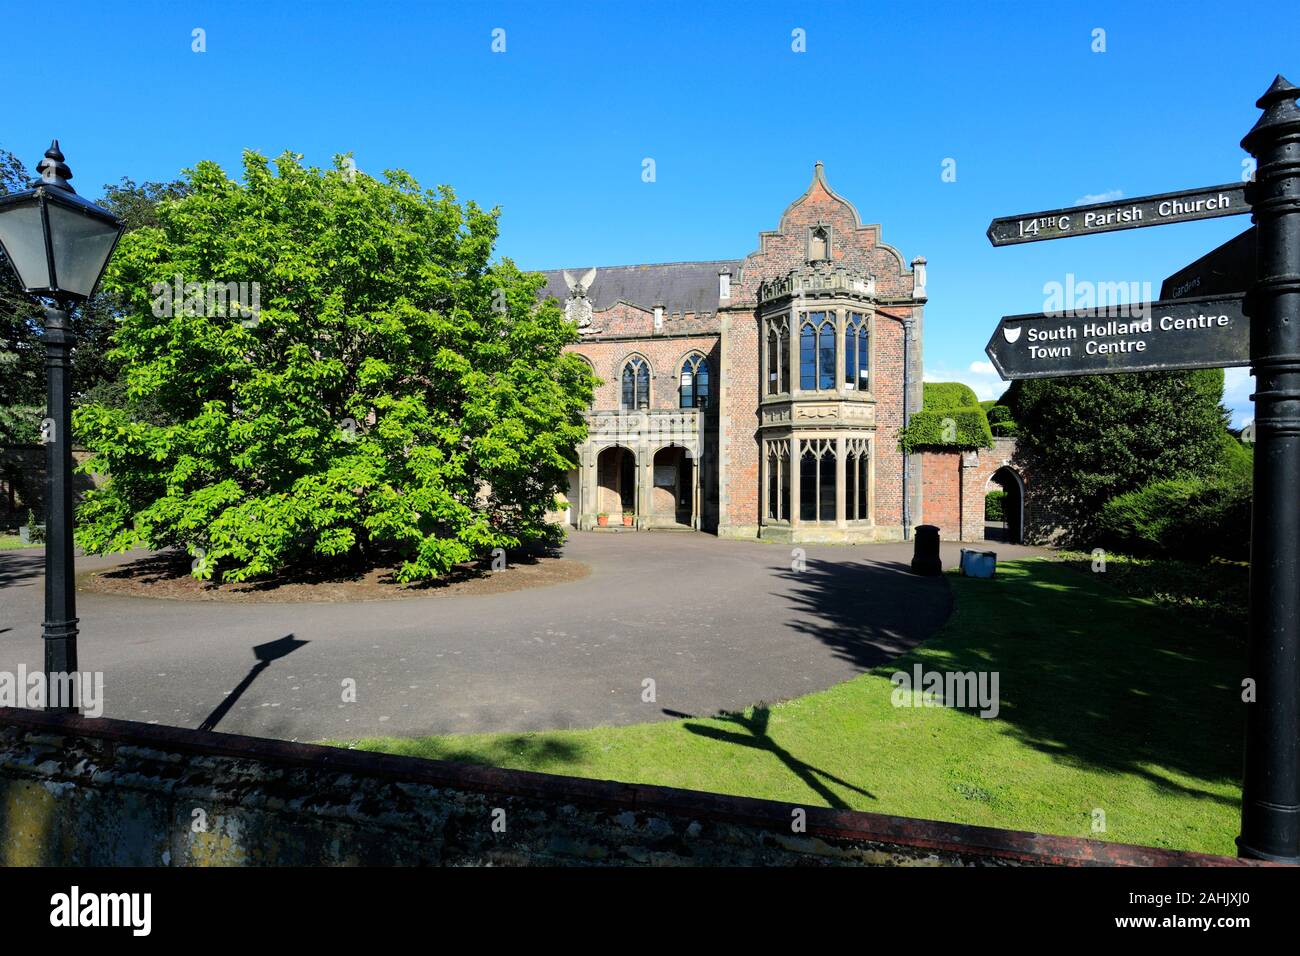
[
  {"x": 995, "y": 506},
  {"x": 949, "y": 395},
  {"x": 394, "y": 395},
  {"x": 1237, "y": 459},
  {"x": 950, "y": 418},
  {"x": 1190, "y": 518}
]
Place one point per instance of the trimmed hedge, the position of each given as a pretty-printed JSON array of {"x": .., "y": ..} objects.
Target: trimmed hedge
[
  {"x": 995, "y": 506},
  {"x": 949, "y": 395},
  {"x": 947, "y": 402}
]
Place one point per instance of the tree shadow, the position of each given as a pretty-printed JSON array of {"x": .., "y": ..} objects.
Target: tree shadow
[
  {"x": 1098, "y": 679},
  {"x": 756, "y": 736},
  {"x": 20, "y": 567},
  {"x": 266, "y": 654},
  {"x": 868, "y": 612}
]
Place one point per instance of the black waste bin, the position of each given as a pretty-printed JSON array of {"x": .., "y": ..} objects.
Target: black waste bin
[{"x": 925, "y": 553}]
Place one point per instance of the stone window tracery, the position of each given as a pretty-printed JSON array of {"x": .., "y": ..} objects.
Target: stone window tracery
[
  {"x": 817, "y": 487},
  {"x": 778, "y": 355},
  {"x": 857, "y": 351},
  {"x": 694, "y": 382},
  {"x": 636, "y": 384},
  {"x": 778, "y": 480},
  {"x": 817, "y": 352},
  {"x": 857, "y": 477}
]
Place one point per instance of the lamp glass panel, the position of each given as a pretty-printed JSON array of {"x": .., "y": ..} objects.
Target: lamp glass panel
[
  {"x": 24, "y": 240},
  {"x": 82, "y": 245}
]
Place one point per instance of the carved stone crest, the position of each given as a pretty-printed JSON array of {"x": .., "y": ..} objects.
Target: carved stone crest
[{"x": 577, "y": 308}]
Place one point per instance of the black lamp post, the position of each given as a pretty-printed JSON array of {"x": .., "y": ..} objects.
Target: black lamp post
[{"x": 59, "y": 245}]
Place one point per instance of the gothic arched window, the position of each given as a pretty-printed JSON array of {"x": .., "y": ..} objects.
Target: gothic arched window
[
  {"x": 636, "y": 385},
  {"x": 695, "y": 382},
  {"x": 857, "y": 351},
  {"x": 817, "y": 489},
  {"x": 817, "y": 352},
  {"x": 778, "y": 356}
]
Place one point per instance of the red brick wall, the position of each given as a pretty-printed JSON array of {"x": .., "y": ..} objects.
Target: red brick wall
[
  {"x": 941, "y": 492},
  {"x": 953, "y": 492},
  {"x": 738, "y": 422},
  {"x": 665, "y": 354}
]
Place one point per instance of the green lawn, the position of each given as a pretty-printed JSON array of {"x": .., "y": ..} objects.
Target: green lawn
[
  {"x": 1107, "y": 703},
  {"x": 11, "y": 542}
]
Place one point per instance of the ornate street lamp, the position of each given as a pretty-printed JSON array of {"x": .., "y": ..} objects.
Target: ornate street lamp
[{"x": 59, "y": 245}]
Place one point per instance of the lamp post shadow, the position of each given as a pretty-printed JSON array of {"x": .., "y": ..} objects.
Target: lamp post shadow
[{"x": 266, "y": 654}]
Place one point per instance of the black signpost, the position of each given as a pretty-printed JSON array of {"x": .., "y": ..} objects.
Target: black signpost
[{"x": 1203, "y": 321}]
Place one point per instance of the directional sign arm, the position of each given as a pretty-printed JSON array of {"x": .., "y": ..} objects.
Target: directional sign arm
[
  {"x": 1158, "y": 210},
  {"x": 1207, "y": 332}
]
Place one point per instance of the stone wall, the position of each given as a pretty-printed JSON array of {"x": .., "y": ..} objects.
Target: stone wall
[{"x": 82, "y": 792}]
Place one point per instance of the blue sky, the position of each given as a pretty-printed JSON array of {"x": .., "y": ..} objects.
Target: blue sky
[{"x": 554, "y": 130}]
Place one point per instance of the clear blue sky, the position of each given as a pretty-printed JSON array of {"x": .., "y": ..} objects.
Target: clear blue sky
[{"x": 554, "y": 130}]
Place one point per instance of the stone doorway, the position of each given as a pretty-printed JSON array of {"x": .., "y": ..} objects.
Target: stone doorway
[
  {"x": 616, "y": 482},
  {"x": 672, "y": 494}
]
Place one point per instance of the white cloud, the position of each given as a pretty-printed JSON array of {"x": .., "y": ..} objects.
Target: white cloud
[{"x": 1109, "y": 195}]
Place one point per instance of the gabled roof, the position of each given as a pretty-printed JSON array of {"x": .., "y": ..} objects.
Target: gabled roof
[{"x": 677, "y": 286}]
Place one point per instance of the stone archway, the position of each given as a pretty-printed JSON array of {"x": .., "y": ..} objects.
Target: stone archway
[{"x": 1012, "y": 531}]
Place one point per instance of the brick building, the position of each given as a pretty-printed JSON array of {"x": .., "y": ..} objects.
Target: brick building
[{"x": 755, "y": 397}]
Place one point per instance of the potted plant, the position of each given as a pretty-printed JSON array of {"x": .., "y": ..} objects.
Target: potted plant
[
  {"x": 627, "y": 518},
  {"x": 602, "y": 520}
]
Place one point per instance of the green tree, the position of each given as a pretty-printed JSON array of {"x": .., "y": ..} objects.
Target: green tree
[
  {"x": 395, "y": 393},
  {"x": 1086, "y": 439}
]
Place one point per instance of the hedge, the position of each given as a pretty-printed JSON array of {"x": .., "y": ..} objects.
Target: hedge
[
  {"x": 1192, "y": 518},
  {"x": 949, "y": 395},
  {"x": 947, "y": 402},
  {"x": 995, "y": 506}
]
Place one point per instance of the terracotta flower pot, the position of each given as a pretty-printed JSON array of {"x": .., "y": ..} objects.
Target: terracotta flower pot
[
  {"x": 627, "y": 521},
  {"x": 602, "y": 520}
]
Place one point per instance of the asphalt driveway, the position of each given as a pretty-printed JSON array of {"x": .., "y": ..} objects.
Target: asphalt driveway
[{"x": 716, "y": 625}]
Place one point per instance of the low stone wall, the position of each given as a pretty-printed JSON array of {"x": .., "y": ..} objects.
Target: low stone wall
[{"x": 77, "y": 791}]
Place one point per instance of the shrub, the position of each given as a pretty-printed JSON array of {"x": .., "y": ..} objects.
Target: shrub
[
  {"x": 1190, "y": 518},
  {"x": 950, "y": 418},
  {"x": 995, "y": 506}
]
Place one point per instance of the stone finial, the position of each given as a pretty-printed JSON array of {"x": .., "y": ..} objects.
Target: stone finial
[{"x": 53, "y": 170}]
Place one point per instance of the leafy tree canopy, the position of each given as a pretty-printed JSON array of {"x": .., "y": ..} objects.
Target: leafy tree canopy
[
  {"x": 394, "y": 392},
  {"x": 1089, "y": 438}
]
